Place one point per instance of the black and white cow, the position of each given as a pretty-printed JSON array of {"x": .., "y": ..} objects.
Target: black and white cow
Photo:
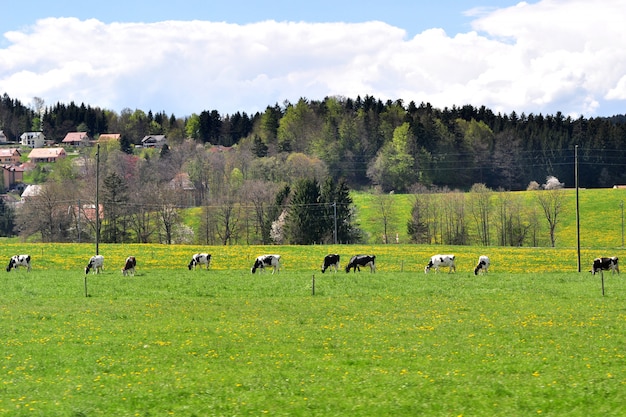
[
  {"x": 129, "y": 266},
  {"x": 266, "y": 261},
  {"x": 96, "y": 263},
  {"x": 358, "y": 261},
  {"x": 605, "y": 264},
  {"x": 438, "y": 261},
  {"x": 19, "y": 260},
  {"x": 483, "y": 265},
  {"x": 331, "y": 261},
  {"x": 200, "y": 259}
]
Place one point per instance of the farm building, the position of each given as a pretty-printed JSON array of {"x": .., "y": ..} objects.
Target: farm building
[{"x": 46, "y": 154}]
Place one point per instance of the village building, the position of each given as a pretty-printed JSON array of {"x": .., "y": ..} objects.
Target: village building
[
  {"x": 76, "y": 139},
  {"x": 107, "y": 137},
  {"x": 153, "y": 141},
  {"x": 12, "y": 175},
  {"x": 46, "y": 154},
  {"x": 32, "y": 139},
  {"x": 10, "y": 156}
]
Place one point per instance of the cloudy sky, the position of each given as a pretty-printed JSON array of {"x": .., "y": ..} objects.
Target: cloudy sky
[{"x": 187, "y": 56}]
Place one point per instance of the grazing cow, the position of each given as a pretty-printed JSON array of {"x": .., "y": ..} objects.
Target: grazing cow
[
  {"x": 331, "y": 261},
  {"x": 200, "y": 259},
  {"x": 438, "y": 261},
  {"x": 129, "y": 266},
  {"x": 96, "y": 263},
  {"x": 483, "y": 265},
  {"x": 17, "y": 261},
  {"x": 266, "y": 260},
  {"x": 605, "y": 264},
  {"x": 358, "y": 261}
]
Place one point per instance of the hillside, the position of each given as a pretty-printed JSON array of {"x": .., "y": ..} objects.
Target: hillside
[{"x": 600, "y": 217}]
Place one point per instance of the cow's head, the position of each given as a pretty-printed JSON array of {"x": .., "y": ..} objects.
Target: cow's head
[{"x": 11, "y": 262}]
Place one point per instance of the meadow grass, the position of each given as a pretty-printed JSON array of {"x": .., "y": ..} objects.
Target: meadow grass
[
  {"x": 521, "y": 340},
  {"x": 600, "y": 217}
]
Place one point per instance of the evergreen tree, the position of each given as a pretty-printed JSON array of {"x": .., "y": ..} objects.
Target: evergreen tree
[
  {"x": 115, "y": 197},
  {"x": 259, "y": 148},
  {"x": 338, "y": 210},
  {"x": 305, "y": 221},
  {"x": 7, "y": 219},
  {"x": 125, "y": 145}
]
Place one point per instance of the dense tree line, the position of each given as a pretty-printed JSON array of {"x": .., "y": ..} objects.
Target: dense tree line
[{"x": 370, "y": 142}]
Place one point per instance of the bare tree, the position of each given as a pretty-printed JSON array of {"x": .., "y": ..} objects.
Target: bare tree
[
  {"x": 480, "y": 207},
  {"x": 167, "y": 214},
  {"x": 260, "y": 194},
  {"x": 454, "y": 225},
  {"x": 227, "y": 219},
  {"x": 47, "y": 213},
  {"x": 551, "y": 202},
  {"x": 422, "y": 226},
  {"x": 385, "y": 204},
  {"x": 142, "y": 213}
]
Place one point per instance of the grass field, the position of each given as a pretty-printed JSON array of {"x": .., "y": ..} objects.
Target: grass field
[
  {"x": 533, "y": 337},
  {"x": 600, "y": 217}
]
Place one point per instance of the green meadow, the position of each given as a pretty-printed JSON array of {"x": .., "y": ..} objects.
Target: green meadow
[
  {"x": 532, "y": 337},
  {"x": 600, "y": 216}
]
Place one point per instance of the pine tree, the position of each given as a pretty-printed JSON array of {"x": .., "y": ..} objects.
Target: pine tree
[
  {"x": 7, "y": 219},
  {"x": 306, "y": 214}
]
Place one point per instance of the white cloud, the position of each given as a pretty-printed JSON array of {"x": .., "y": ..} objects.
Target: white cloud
[{"x": 554, "y": 55}]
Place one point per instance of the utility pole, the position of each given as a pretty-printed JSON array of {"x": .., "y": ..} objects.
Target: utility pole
[
  {"x": 335, "y": 215},
  {"x": 97, "y": 200},
  {"x": 577, "y": 206},
  {"x": 622, "y": 206}
]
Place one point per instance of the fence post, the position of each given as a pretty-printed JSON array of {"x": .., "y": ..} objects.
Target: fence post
[{"x": 602, "y": 277}]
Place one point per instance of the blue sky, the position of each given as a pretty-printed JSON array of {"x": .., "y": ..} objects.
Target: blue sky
[
  {"x": 412, "y": 16},
  {"x": 539, "y": 56}
]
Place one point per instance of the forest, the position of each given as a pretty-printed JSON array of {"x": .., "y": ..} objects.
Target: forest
[
  {"x": 369, "y": 142},
  {"x": 311, "y": 152}
]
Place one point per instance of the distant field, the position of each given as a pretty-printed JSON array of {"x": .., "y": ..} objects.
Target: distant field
[
  {"x": 532, "y": 337},
  {"x": 600, "y": 217}
]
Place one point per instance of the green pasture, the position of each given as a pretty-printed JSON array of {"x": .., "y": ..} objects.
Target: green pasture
[
  {"x": 600, "y": 216},
  {"x": 532, "y": 337}
]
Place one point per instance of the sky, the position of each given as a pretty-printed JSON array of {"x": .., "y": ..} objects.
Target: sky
[{"x": 184, "y": 57}]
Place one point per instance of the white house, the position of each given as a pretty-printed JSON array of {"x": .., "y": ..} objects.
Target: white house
[
  {"x": 33, "y": 139},
  {"x": 153, "y": 141}
]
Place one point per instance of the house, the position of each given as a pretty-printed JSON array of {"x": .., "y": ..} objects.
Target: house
[
  {"x": 106, "y": 137},
  {"x": 33, "y": 190},
  {"x": 10, "y": 156},
  {"x": 3, "y": 137},
  {"x": 87, "y": 211},
  {"x": 32, "y": 139},
  {"x": 46, "y": 154},
  {"x": 184, "y": 188},
  {"x": 153, "y": 141},
  {"x": 12, "y": 175},
  {"x": 76, "y": 139}
]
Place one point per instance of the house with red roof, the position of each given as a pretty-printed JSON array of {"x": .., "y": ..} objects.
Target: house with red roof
[{"x": 76, "y": 139}]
